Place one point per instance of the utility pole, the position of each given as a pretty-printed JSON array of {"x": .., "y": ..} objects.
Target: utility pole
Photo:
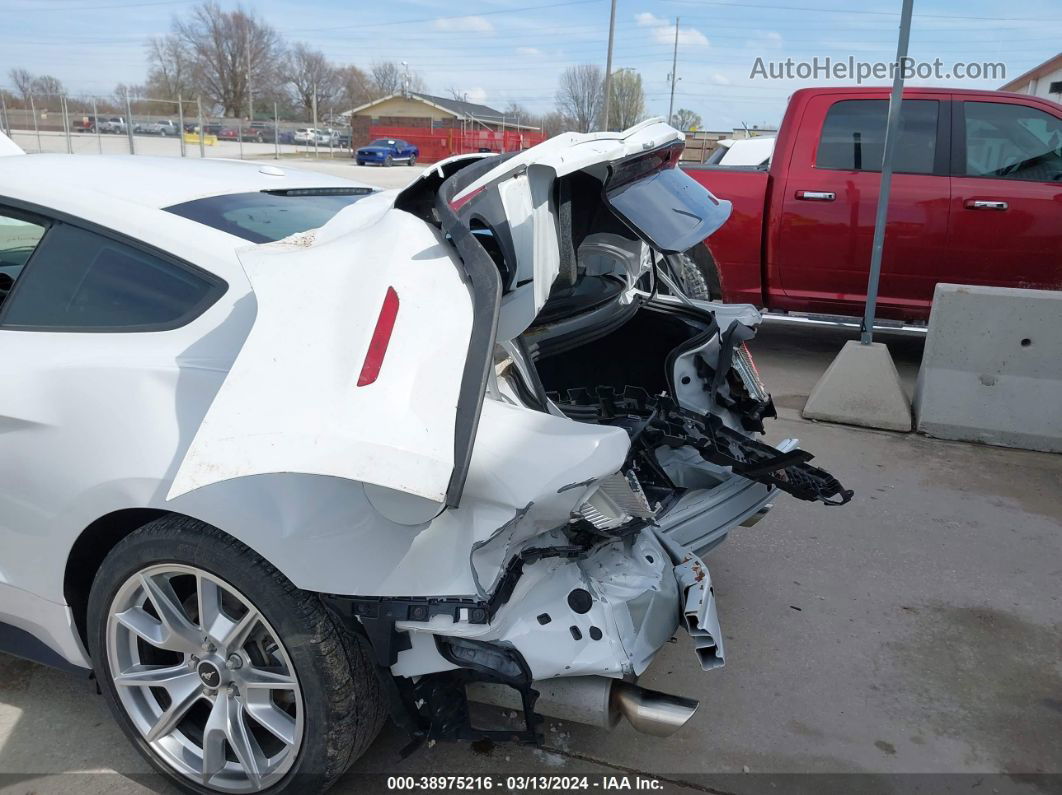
[
  {"x": 674, "y": 77},
  {"x": 892, "y": 132},
  {"x": 608, "y": 68}
]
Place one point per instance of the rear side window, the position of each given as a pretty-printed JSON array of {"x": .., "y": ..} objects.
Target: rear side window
[
  {"x": 269, "y": 216},
  {"x": 853, "y": 136},
  {"x": 79, "y": 280},
  {"x": 19, "y": 236},
  {"x": 1011, "y": 141}
]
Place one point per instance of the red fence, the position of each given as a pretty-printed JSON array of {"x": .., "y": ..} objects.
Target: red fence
[{"x": 436, "y": 144}]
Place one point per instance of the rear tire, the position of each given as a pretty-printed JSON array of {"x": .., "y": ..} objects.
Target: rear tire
[
  {"x": 323, "y": 694},
  {"x": 412, "y": 160},
  {"x": 699, "y": 275}
]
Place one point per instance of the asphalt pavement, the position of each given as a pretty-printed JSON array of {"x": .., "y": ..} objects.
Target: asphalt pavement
[{"x": 916, "y": 630}]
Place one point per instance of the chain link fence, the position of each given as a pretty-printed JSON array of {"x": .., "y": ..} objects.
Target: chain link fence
[{"x": 57, "y": 123}]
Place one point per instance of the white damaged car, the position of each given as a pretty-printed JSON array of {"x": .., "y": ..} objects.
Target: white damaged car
[{"x": 282, "y": 456}]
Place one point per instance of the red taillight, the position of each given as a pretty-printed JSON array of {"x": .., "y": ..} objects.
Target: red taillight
[
  {"x": 458, "y": 203},
  {"x": 385, "y": 323}
]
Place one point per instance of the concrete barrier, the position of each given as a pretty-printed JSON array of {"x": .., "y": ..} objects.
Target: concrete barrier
[{"x": 992, "y": 368}]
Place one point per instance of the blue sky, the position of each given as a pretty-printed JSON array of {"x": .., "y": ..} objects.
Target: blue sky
[{"x": 513, "y": 50}]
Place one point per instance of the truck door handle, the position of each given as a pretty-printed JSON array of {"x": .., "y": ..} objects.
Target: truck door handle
[
  {"x": 981, "y": 204},
  {"x": 816, "y": 195}
]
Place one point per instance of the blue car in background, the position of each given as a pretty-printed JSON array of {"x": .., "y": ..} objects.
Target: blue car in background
[{"x": 386, "y": 152}]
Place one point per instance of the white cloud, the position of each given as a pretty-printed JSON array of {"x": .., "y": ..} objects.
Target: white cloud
[
  {"x": 662, "y": 31},
  {"x": 686, "y": 36},
  {"x": 765, "y": 40},
  {"x": 477, "y": 95},
  {"x": 464, "y": 24},
  {"x": 645, "y": 19},
  {"x": 529, "y": 51},
  {"x": 720, "y": 79}
]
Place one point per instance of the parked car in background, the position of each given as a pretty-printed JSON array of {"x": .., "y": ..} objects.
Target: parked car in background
[
  {"x": 86, "y": 124},
  {"x": 260, "y": 132},
  {"x": 386, "y": 152},
  {"x": 976, "y": 199},
  {"x": 228, "y": 134},
  {"x": 305, "y": 135},
  {"x": 344, "y": 139},
  {"x": 163, "y": 128},
  {"x": 743, "y": 152},
  {"x": 113, "y": 124},
  {"x": 515, "y": 439}
]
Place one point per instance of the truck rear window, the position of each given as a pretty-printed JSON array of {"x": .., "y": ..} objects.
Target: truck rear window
[{"x": 268, "y": 216}]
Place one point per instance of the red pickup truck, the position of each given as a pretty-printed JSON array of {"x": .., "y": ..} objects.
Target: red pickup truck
[{"x": 976, "y": 199}]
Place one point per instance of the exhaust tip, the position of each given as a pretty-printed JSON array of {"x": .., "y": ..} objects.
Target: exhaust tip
[{"x": 652, "y": 712}]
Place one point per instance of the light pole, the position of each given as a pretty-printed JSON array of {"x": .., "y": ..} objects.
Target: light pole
[
  {"x": 608, "y": 68},
  {"x": 674, "y": 77},
  {"x": 892, "y": 132}
]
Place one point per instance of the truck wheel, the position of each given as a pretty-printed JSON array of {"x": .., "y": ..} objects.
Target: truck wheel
[
  {"x": 699, "y": 274},
  {"x": 692, "y": 280},
  {"x": 223, "y": 674}
]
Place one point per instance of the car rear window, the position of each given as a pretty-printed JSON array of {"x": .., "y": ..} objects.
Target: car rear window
[{"x": 268, "y": 216}]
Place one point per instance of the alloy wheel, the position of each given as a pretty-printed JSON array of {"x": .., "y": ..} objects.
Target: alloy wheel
[{"x": 204, "y": 678}]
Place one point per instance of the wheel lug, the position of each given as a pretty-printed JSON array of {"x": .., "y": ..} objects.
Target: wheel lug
[
  {"x": 235, "y": 661},
  {"x": 209, "y": 647},
  {"x": 233, "y": 690}
]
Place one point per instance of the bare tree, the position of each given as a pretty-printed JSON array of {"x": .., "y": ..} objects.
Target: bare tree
[
  {"x": 355, "y": 88},
  {"x": 627, "y": 103},
  {"x": 46, "y": 84},
  {"x": 308, "y": 72},
  {"x": 231, "y": 52},
  {"x": 580, "y": 95},
  {"x": 23, "y": 80},
  {"x": 390, "y": 77},
  {"x": 170, "y": 66},
  {"x": 685, "y": 119},
  {"x": 555, "y": 123}
]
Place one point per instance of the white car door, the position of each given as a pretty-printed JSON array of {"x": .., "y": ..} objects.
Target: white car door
[{"x": 100, "y": 380}]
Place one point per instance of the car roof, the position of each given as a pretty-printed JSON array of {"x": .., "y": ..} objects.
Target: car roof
[{"x": 154, "y": 182}]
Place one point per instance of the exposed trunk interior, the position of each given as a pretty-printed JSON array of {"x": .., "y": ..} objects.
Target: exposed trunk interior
[{"x": 635, "y": 354}]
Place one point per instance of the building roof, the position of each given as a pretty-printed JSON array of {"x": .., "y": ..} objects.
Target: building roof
[
  {"x": 456, "y": 107},
  {"x": 1048, "y": 66}
]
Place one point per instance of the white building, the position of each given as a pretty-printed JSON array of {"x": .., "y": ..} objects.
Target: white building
[{"x": 1043, "y": 81}]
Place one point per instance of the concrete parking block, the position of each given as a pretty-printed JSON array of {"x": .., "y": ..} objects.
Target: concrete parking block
[{"x": 861, "y": 387}]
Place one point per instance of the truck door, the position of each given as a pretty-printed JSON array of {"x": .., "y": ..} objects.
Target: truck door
[
  {"x": 819, "y": 249},
  {"x": 1006, "y": 211}
]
